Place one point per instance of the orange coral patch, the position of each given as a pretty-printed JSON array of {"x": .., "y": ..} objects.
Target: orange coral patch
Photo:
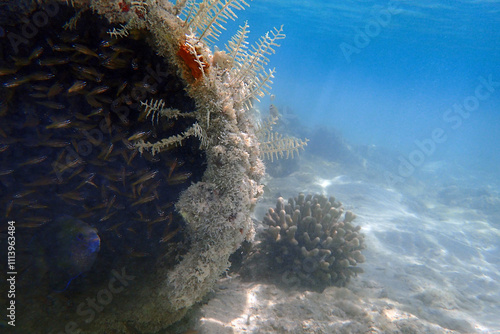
[{"x": 190, "y": 60}]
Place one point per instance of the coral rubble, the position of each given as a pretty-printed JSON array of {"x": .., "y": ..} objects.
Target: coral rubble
[{"x": 313, "y": 242}]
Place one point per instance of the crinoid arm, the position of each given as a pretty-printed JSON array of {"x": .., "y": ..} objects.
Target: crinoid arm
[
  {"x": 120, "y": 32},
  {"x": 237, "y": 47},
  {"x": 176, "y": 140},
  {"x": 275, "y": 145},
  {"x": 156, "y": 109},
  {"x": 250, "y": 64},
  {"x": 207, "y": 18}
]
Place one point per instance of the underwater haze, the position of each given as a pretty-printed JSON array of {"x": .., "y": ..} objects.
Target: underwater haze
[
  {"x": 378, "y": 210},
  {"x": 401, "y": 103},
  {"x": 388, "y": 73}
]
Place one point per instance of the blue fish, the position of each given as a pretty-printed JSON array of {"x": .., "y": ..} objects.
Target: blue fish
[{"x": 67, "y": 248}]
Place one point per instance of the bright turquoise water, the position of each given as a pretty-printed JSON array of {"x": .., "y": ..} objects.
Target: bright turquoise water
[{"x": 388, "y": 73}]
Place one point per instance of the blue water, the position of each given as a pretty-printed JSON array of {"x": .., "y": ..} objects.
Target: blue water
[{"x": 386, "y": 73}]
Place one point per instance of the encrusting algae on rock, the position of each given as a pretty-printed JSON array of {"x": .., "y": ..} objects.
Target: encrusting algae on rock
[{"x": 211, "y": 122}]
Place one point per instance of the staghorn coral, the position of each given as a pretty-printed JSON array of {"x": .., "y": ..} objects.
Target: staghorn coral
[{"x": 312, "y": 239}]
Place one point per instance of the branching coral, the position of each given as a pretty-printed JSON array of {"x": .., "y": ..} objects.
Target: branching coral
[{"x": 312, "y": 238}]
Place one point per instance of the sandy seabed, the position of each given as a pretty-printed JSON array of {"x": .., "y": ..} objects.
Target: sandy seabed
[{"x": 432, "y": 263}]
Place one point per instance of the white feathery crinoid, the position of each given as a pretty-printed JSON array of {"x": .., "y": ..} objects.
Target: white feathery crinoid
[
  {"x": 207, "y": 17},
  {"x": 120, "y": 32}
]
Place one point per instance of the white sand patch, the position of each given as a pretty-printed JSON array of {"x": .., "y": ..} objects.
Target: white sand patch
[{"x": 430, "y": 268}]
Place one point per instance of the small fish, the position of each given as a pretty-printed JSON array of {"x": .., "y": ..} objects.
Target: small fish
[
  {"x": 85, "y": 50},
  {"x": 170, "y": 235},
  {"x": 36, "y": 205},
  {"x": 153, "y": 187},
  {"x": 23, "y": 193},
  {"x": 144, "y": 200},
  {"x": 96, "y": 112},
  {"x": 114, "y": 63},
  {"x": 121, "y": 88},
  {"x": 132, "y": 156},
  {"x": 115, "y": 228},
  {"x": 172, "y": 167},
  {"x": 8, "y": 208},
  {"x": 133, "y": 253},
  {"x": 178, "y": 178},
  {"x": 21, "y": 61},
  {"x": 43, "y": 181},
  {"x": 99, "y": 163},
  {"x": 65, "y": 249},
  {"x": 38, "y": 95},
  {"x": 98, "y": 90},
  {"x": 91, "y": 100},
  {"x": 53, "y": 61},
  {"x": 7, "y": 70},
  {"x": 16, "y": 81},
  {"x": 55, "y": 89},
  {"x": 106, "y": 43},
  {"x": 6, "y": 172},
  {"x": 139, "y": 135},
  {"x": 88, "y": 180},
  {"x": 69, "y": 37},
  {"x": 106, "y": 217},
  {"x": 51, "y": 104},
  {"x": 29, "y": 225},
  {"x": 60, "y": 168},
  {"x": 76, "y": 172},
  {"x": 110, "y": 204},
  {"x": 55, "y": 143},
  {"x": 146, "y": 86},
  {"x": 74, "y": 195},
  {"x": 59, "y": 125},
  {"x": 77, "y": 86},
  {"x": 33, "y": 161},
  {"x": 104, "y": 155},
  {"x": 36, "y": 53},
  {"x": 90, "y": 71},
  {"x": 41, "y": 76},
  {"x": 121, "y": 49},
  {"x": 40, "y": 88},
  {"x": 146, "y": 177},
  {"x": 114, "y": 189},
  {"x": 38, "y": 220},
  {"x": 62, "y": 48}
]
